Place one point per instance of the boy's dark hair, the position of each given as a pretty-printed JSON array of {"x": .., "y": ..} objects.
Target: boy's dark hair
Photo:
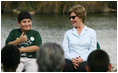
[
  {"x": 10, "y": 57},
  {"x": 98, "y": 61},
  {"x": 24, "y": 15}
]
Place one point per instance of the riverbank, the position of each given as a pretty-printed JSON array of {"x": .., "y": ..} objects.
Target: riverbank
[{"x": 54, "y": 7}]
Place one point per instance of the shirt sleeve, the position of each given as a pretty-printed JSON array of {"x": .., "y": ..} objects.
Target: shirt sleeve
[
  {"x": 10, "y": 37},
  {"x": 93, "y": 43},
  {"x": 38, "y": 40},
  {"x": 67, "y": 51}
]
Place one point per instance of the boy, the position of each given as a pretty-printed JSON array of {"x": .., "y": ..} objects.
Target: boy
[
  {"x": 28, "y": 41},
  {"x": 98, "y": 61}
]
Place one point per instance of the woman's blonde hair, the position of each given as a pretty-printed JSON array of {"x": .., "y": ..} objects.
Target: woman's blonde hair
[{"x": 79, "y": 11}]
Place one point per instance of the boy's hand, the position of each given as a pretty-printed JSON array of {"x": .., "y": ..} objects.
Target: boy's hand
[{"x": 23, "y": 37}]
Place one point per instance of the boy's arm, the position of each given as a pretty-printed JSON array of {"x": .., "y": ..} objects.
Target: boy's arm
[
  {"x": 16, "y": 42},
  {"x": 35, "y": 47},
  {"x": 29, "y": 49},
  {"x": 22, "y": 38}
]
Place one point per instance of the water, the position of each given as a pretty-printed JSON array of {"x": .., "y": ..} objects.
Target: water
[{"x": 53, "y": 27}]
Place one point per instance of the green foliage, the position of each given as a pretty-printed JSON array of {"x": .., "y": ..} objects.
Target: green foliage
[{"x": 53, "y": 7}]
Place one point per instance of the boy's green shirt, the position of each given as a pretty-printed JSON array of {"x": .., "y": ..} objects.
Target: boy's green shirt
[{"x": 33, "y": 36}]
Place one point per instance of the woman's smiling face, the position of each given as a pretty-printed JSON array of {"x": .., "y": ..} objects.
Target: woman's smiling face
[{"x": 75, "y": 20}]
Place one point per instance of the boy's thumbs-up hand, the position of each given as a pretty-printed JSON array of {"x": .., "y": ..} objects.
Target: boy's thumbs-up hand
[{"x": 23, "y": 37}]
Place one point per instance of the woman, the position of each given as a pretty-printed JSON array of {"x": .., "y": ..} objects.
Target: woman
[{"x": 79, "y": 41}]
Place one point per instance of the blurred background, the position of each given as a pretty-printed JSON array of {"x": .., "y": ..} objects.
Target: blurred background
[
  {"x": 51, "y": 19},
  {"x": 54, "y": 7}
]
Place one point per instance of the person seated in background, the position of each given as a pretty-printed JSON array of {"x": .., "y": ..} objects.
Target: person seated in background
[
  {"x": 98, "y": 61},
  {"x": 10, "y": 58},
  {"x": 50, "y": 58}
]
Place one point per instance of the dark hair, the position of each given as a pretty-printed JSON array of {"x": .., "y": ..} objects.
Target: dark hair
[
  {"x": 10, "y": 57},
  {"x": 50, "y": 58},
  {"x": 24, "y": 15},
  {"x": 98, "y": 61}
]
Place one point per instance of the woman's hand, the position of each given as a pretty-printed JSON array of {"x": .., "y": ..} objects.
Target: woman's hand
[
  {"x": 79, "y": 59},
  {"x": 76, "y": 61}
]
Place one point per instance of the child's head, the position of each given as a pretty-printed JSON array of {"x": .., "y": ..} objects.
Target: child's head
[
  {"x": 25, "y": 21},
  {"x": 10, "y": 57},
  {"x": 98, "y": 61}
]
